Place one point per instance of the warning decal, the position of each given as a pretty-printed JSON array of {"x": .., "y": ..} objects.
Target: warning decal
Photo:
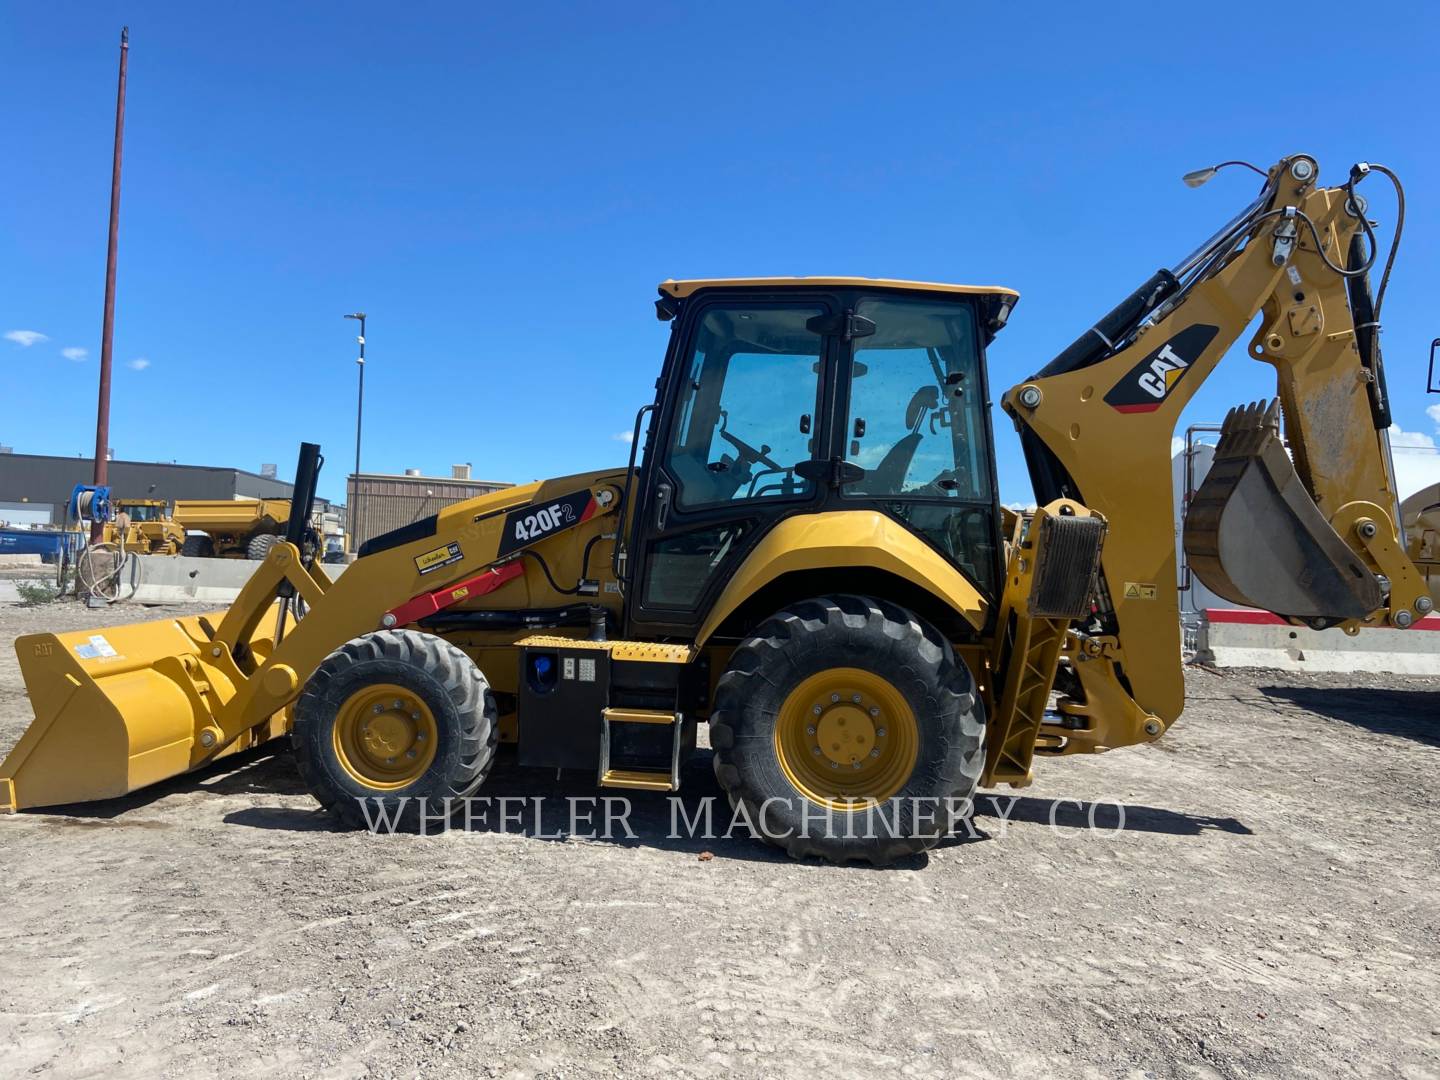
[
  {"x": 1137, "y": 590},
  {"x": 97, "y": 648}
]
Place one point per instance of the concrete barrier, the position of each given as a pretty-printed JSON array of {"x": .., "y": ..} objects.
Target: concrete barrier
[
  {"x": 176, "y": 579},
  {"x": 1238, "y": 638}
]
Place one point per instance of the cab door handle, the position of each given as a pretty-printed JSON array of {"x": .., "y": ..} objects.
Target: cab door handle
[{"x": 662, "y": 505}]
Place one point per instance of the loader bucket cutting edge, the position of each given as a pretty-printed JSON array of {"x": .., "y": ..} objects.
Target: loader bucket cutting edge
[
  {"x": 1254, "y": 535},
  {"x": 116, "y": 709}
]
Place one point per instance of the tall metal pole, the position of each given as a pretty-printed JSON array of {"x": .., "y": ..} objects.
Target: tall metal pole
[
  {"x": 107, "y": 332},
  {"x": 360, "y": 401},
  {"x": 352, "y": 524}
]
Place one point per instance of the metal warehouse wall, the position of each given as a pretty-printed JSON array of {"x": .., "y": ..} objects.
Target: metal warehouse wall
[
  {"x": 378, "y": 503},
  {"x": 38, "y": 478}
]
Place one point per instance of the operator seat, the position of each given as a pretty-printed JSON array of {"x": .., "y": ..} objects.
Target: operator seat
[{"x": 888, "y": 477}]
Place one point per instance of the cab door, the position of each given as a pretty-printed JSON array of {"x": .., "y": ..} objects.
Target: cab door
[
  {"x": 744, "y": 403},
  {"x": 917, "y": 424}
]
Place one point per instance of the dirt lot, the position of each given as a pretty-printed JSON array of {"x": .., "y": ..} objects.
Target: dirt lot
[{"x": 1268, "y": 910}]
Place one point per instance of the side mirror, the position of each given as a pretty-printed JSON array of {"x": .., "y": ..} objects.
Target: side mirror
[{"x": 1430, "y": 387}]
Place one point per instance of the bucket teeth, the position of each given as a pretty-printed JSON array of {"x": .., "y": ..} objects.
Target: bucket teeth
[{"x": 1247, "y": 428}]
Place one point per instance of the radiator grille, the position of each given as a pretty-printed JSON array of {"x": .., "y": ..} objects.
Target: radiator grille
[{"x": 1069, "y": 559}]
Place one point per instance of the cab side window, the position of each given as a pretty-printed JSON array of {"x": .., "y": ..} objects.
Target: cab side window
[
  {"x": 746, "y": 413},
  {"x": 917, "y": 424}
]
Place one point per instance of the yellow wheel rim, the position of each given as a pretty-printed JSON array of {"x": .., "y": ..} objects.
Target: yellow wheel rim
[
  {"x": 385, "y": 736},
  {"x": 847, "y": 739}
]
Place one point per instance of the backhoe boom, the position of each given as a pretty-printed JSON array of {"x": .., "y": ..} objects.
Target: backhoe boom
[{"x": 1320, "y": 544}]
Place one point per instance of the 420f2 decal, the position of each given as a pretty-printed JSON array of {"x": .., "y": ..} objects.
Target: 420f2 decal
[
  {"x": 538, "y": 520},
  {"x": 1145, "y": 387}
]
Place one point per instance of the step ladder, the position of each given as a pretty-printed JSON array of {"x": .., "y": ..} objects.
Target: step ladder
[{"x": 639, "y": 779}]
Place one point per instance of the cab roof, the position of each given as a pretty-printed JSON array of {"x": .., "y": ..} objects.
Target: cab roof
[{"x": 682, "y": 289}]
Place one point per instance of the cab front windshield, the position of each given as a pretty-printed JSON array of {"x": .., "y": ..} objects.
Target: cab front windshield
[{"x": 142, "y": 511}]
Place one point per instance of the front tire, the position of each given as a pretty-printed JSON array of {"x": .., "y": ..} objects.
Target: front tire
[
  {"x": 395, "y": 727},
  {"x": 848, "y": 729}
]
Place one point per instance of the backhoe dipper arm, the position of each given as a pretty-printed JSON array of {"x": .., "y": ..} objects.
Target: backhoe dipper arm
[{"x": 1321, "y": 544}]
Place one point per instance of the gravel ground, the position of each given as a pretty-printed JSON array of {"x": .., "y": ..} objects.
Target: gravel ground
[{"x": 1268, "y": 910}]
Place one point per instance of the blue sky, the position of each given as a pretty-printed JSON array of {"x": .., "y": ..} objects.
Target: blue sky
[{"x": 502, "y": 188}]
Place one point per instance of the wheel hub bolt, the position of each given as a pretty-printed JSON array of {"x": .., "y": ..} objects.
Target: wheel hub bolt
[
  {"x": 854, "y": 764},
  {"x": 834, "y": 698},
  {"x": 880, "y": 732},
  {"x": 419, "y": 736},
  {"x": 399, "y": 704},
  {"x": 410, "y": 753},
  {"x": 379, "y": 709},
  {"x": 874, "y": 710},
  {"x": 816, "y": 710},
  {"x": 389, "y": 761},
  {"x": 810, "y": 730},
  {"x": 834, "y": 764},
  {"x": 875, "y": 752},
  {"x": 815, "y": 750},
  {"x": 855, "y": 698}
]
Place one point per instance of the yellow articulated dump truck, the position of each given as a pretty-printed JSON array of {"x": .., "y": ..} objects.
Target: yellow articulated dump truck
[
  {"x": 233, "y": 528},
  {"x": 811, "y": 557}
]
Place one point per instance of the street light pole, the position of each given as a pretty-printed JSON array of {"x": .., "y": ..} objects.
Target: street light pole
[{"x": 359, "y": 414}]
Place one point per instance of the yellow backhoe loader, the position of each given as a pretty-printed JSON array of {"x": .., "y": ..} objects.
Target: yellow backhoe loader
[{"x": 811, "y": 557}]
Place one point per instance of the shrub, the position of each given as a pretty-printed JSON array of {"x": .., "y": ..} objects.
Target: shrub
[{"x": 35, "y": 593}]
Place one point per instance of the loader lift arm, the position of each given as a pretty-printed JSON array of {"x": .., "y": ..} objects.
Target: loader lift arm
[{"x": 1320, "y": 544}]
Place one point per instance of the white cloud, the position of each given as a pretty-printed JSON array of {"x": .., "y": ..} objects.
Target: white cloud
[
  {"x": 138, "y": 364},
  {"x": 1434, "y": 413},
  {"x": 624, "y": 436},
  {"x": 25, "y": 338},
  {"x": 1417, "y": 461},
  {"x": 75, "y": 353},
  {"x": 1414, "y": 439}
]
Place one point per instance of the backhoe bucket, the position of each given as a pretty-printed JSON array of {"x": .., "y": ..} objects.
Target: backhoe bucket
[
  {"x": 119, "y": 708},
  {"x": 1254, "y": 535}
]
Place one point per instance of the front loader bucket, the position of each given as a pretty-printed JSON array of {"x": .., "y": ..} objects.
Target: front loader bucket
[
  {"x": 117, "y": 709},
  {"x": 1254, "y": 535}
]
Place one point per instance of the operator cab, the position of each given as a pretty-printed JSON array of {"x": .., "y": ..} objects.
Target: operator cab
[
  {"x": 140, "y": 510},
  {"x": 785, "y": 396}
]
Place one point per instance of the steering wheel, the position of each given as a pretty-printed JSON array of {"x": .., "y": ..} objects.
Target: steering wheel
[{"x": 748, "y": 454}]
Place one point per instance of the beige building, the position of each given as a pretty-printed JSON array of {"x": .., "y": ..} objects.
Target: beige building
[{"x": 378, "y": 502}]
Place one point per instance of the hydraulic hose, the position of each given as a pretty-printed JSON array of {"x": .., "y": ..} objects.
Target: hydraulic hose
[{"x": 104, "y": 583}]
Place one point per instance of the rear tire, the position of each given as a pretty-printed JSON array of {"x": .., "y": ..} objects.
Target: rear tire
[
  {"x": 860, "y": 694},
  {"x": 395, "y": 723},
  {"x": 259, "y": 546},
  {"x": 197, "y": 547}
]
